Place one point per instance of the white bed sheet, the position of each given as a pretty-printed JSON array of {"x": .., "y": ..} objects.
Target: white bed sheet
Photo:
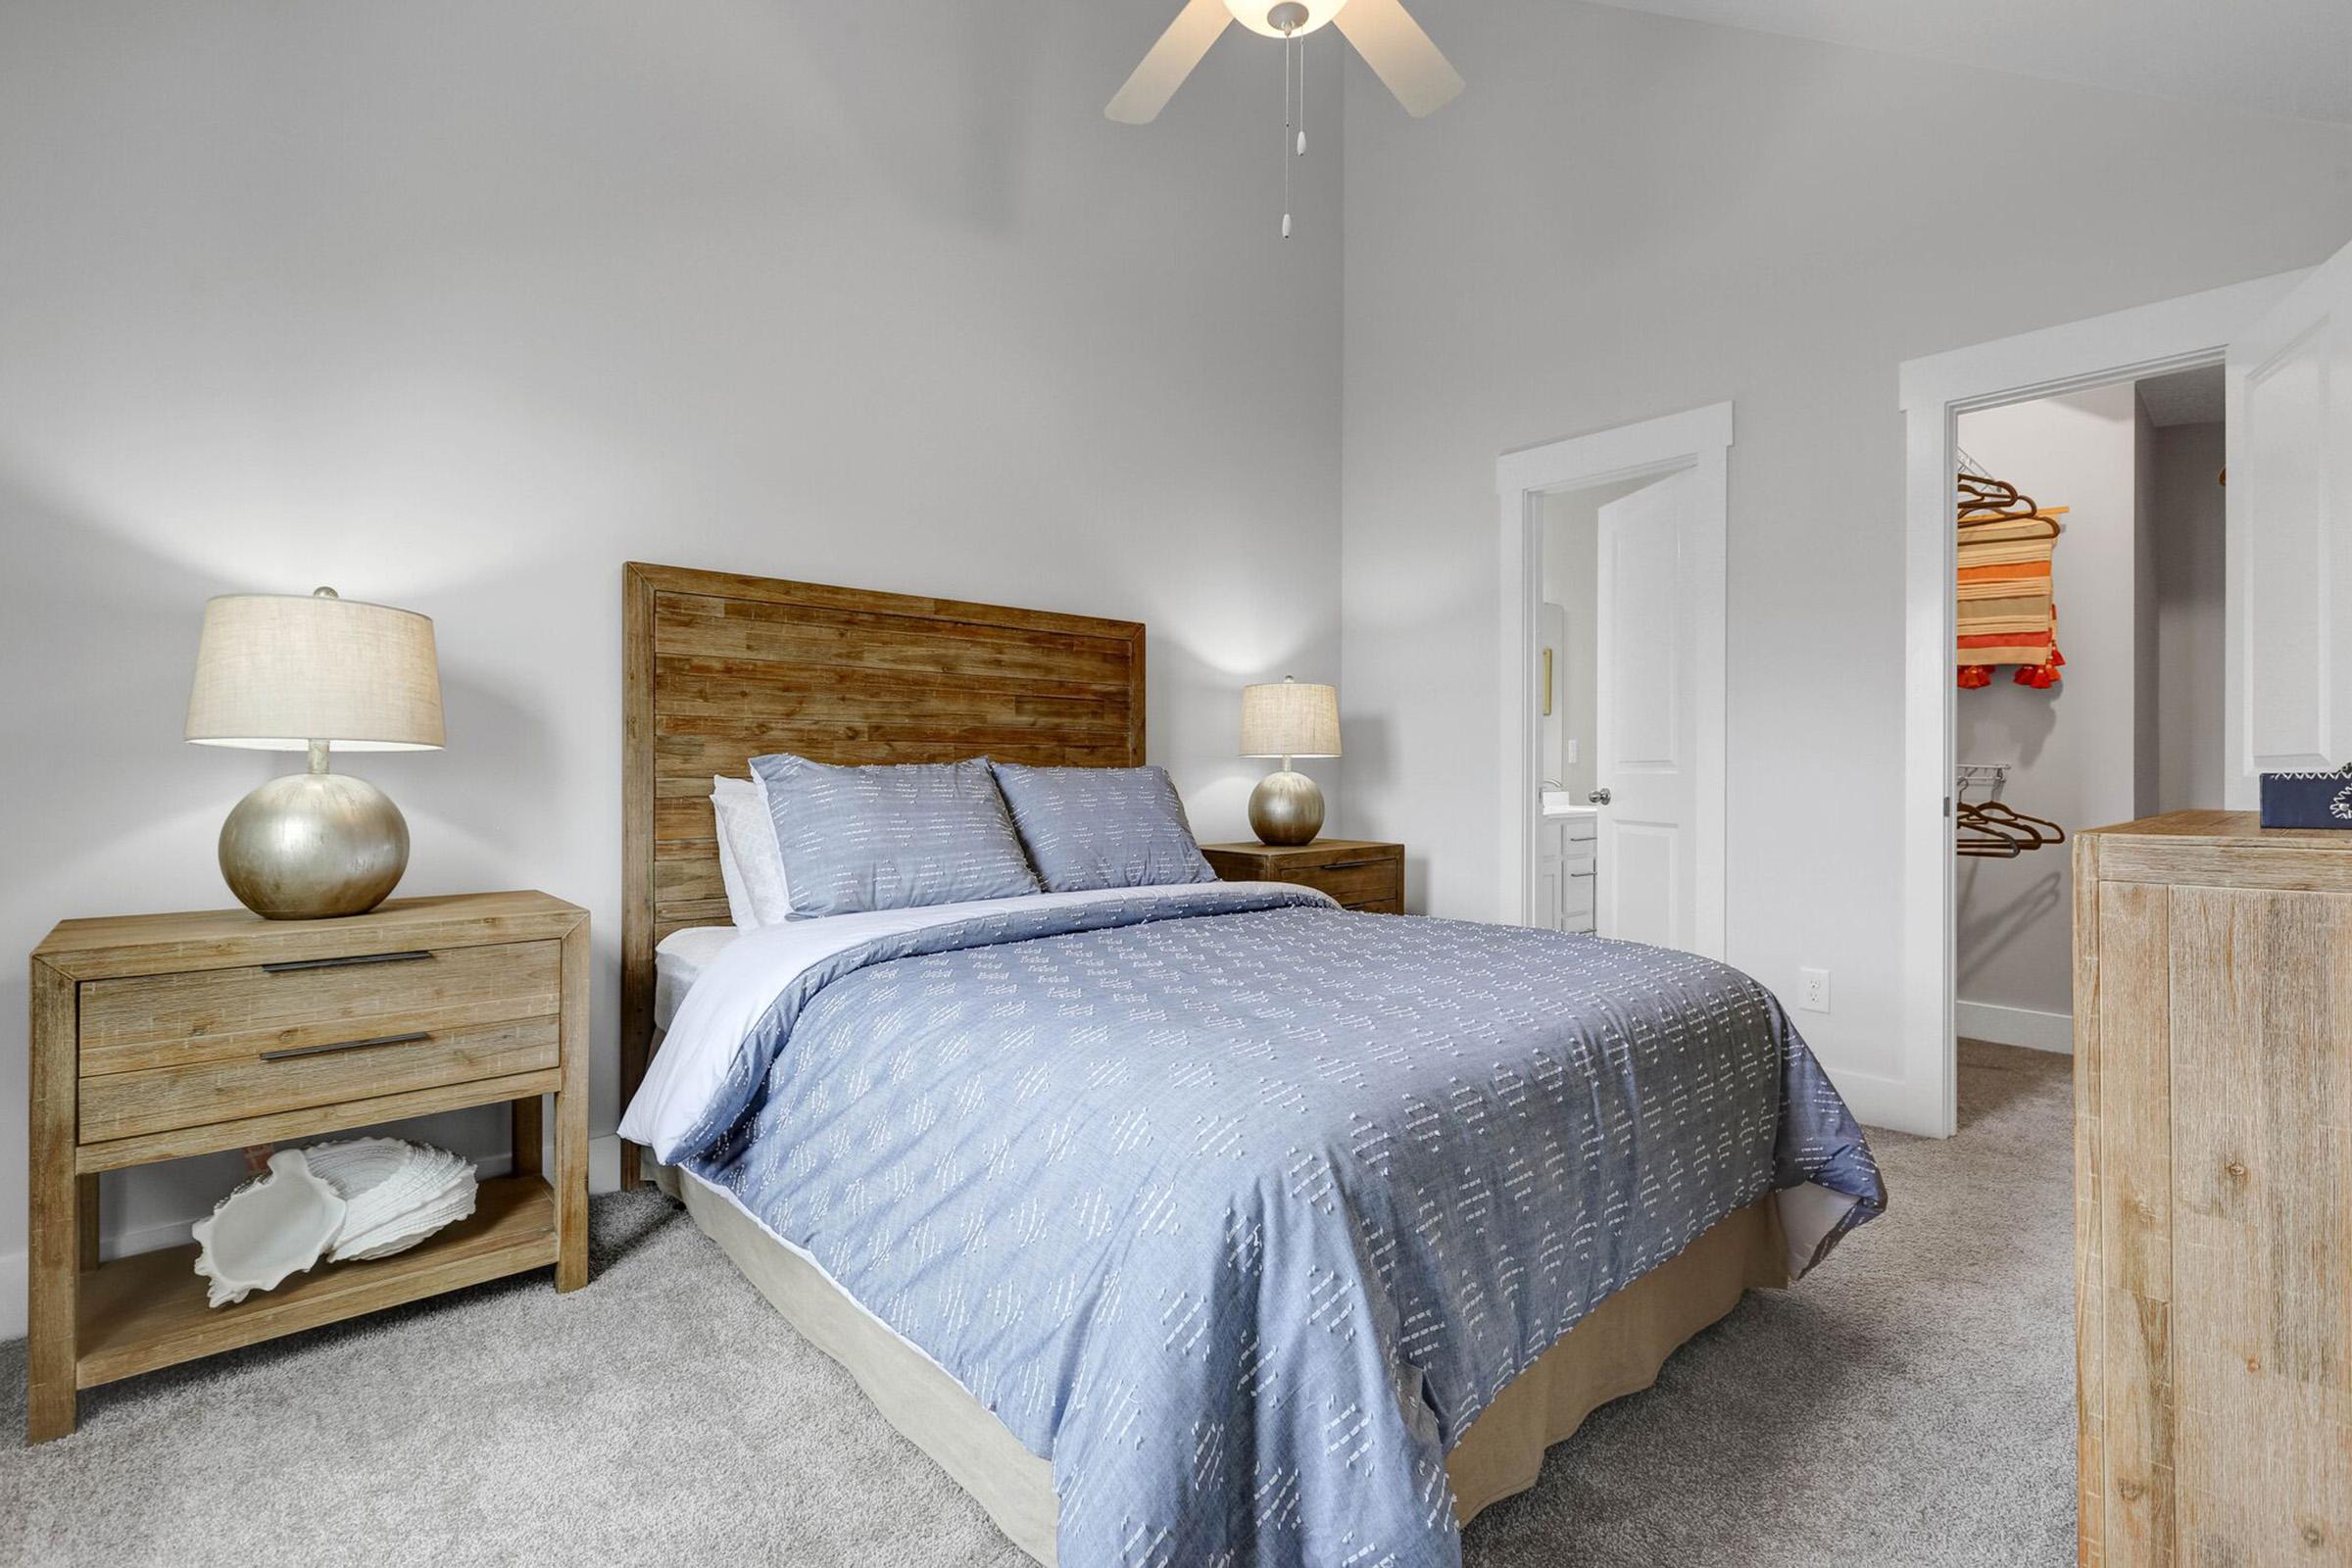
[{"x": 679, "y": 961}]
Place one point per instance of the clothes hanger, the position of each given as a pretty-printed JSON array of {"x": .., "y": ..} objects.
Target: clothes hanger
[
  {"x": 1989, "y": 847},
  {"x": 1997, "y": 824},
  {"x": 1974, "y": 836},
  {"x": 1980, "y": 491},
  {"x": 2002, "y": 813},
  {"x": 1984, "y": 500}
]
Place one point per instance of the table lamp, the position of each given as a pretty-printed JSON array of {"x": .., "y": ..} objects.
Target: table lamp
[
  {"x": 1287, "y": 720},
  {"x": 285, "y": 672}
]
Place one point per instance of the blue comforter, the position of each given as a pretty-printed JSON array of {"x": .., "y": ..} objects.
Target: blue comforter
[{"x": 1240, "y": 1207}]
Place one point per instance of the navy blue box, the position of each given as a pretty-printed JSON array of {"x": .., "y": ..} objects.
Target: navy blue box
[{"x": 2306, "y": 800}]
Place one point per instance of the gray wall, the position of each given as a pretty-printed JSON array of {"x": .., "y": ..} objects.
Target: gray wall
[
  {"x": 1627, "y": 216},
  {"x": 461, "y": 306},
  {"x": 2190, "y": 549}
]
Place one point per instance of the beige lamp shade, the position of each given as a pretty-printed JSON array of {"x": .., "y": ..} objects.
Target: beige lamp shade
[
  {"x": 1290, "y": 720},
  {"x": 276, "y": 671}
]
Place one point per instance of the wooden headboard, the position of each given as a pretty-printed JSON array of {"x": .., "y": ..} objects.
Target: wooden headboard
[{"x": 718, "y": 669}]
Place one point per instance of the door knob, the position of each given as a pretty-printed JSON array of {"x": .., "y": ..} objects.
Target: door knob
[{"x": 1599, "y": 797}]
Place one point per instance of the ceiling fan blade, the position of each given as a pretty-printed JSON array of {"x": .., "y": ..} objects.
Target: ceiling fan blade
[
  {"x": 1400, "y": 53},
  {"x": 1170, "y": 61}
]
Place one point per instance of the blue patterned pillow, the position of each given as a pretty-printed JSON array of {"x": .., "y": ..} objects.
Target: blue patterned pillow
[
  {"x": 1102, "y": 827},
  {"x": 893, "y": 837}
]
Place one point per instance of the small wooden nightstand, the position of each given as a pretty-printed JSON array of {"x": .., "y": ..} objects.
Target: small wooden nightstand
[
  {"x": 1362, "y": 876},
  {"x": 156, "y": 1037}
]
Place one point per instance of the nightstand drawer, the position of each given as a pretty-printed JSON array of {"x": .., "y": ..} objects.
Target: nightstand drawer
[
  {"x": 1353, "y": 881},
  {"x": 229, "y": 1015},
  {"x": 1359, "y": 873},
  {"x": 360, "y": 1066}
]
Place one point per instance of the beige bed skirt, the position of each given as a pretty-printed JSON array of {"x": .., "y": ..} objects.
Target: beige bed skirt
[{"x": 1615, "y": 1350}]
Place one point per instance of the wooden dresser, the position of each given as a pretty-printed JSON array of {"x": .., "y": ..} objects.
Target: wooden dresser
[
  {"x": 2213, "y": 1193},
  {"x": 156, "y": 1037},
  {"x": 1361, "y": 875}
]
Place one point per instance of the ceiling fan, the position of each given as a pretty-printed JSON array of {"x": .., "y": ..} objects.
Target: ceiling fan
[{"x": 1391, "y": 41}]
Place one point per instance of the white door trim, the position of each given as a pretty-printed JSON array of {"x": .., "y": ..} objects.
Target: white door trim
[
  {"x": 1700, "y": 440},
  {"x": 2128, "y": 345}
]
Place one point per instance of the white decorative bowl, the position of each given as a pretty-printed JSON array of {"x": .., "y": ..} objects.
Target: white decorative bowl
[{"x": 277, "y": 1224}]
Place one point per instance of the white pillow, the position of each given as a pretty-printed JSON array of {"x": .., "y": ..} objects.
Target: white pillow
[
  {"x": 749, "y": 862},
  {"x": 739, "y": 903}
]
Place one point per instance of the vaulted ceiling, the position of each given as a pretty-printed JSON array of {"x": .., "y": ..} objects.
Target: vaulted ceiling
[{"x": 2276, "y": 57}]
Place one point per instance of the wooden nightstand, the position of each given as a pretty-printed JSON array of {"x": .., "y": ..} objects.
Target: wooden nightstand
[
  {"x": 1362, "y": 876},
  {"x": 160, "y": 1036}
]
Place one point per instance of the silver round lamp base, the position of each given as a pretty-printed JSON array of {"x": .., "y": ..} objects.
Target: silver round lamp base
[
  {"x": 1286, "y": 808},
  {"x": 313, "y": 845}
]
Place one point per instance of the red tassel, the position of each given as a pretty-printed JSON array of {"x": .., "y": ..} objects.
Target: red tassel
[{"x": 2042, "y": 677}]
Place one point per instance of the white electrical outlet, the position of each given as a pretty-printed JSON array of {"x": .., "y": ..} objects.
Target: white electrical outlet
[
  {"x": 1814, "y": 993},
  {"x": 1568, "y": 746}
]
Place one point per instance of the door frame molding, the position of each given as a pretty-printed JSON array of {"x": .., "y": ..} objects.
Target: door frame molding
[
  {"x": 2176, "y": 335},
  {"x": 1698, "y": 440}
]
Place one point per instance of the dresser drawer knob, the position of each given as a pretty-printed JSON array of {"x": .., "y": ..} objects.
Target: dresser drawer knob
[
  {"x": 414, "y": 955},
  {"x": 1351, "y": 866},
  {"x": 409, "y": 1039}
]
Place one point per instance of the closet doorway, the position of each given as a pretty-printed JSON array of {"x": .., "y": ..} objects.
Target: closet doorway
[
  {"x": 1612, "y": 743},
  {"x": 2091, "y": 573},
  {"x": 2286, "y": 680}
]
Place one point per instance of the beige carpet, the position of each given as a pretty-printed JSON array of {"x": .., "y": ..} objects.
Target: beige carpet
[{"x": 1911, "y": 1404}]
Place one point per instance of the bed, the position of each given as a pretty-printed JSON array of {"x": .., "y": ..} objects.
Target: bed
[{"x": 1209, "y": 1223}]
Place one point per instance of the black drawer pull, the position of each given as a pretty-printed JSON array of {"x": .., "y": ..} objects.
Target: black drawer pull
[
  {"x": 413, "y": 957},
  {"x": 346, "y": 1045},
  {"x": 1576, "y": 875},
  {"x": 1350, "y": 865}
]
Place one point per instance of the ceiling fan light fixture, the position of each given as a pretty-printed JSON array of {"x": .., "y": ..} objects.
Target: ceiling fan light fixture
[
  {"x": 1383, "y": 31},
  {"x": 1266, "y": 18}
]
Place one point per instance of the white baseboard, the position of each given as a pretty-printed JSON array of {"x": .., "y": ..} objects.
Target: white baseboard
[
  {"x": 13, "y": 1285},
  {"x": 2015, "y": 1026},
  {"x": 604, "y": 1175}
]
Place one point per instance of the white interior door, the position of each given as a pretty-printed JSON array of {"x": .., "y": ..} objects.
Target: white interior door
[
  {"x": 1646, "y": 717},
  {"x": 2289, "y": 677}
]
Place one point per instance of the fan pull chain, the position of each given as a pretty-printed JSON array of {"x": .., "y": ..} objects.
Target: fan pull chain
[
  {"x": 1286, "y": 135},
  {"x": 1301, "y": 152}
]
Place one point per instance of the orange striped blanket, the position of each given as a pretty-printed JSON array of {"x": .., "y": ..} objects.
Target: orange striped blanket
[{"x": 2006, "y": 614}]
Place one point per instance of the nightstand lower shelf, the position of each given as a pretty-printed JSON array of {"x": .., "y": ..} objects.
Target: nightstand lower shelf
[{"x": 139, "y": 1313}]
